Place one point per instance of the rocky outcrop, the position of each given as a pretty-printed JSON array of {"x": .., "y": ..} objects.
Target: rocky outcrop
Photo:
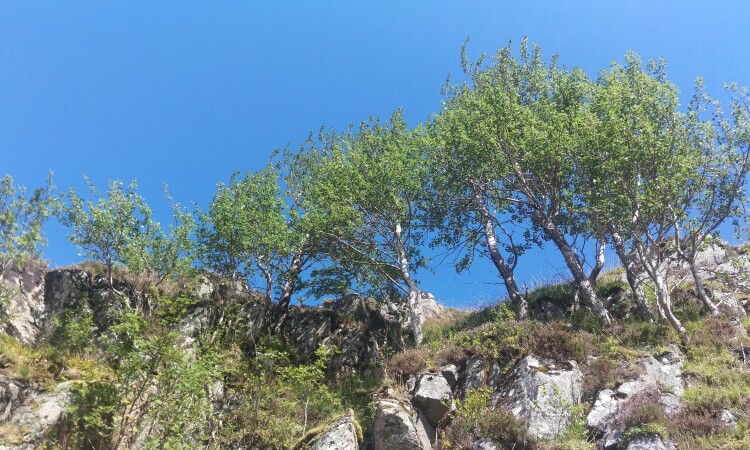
[
  {"x": 543, "y": 392},
  {"x": 399, "y": 427},
  {"x": 357, "y": 326},
  {"x": 29, "y": 413},
  {"x": 433, "y": 397},
  {"x": 340, "y": 435},
  {"x": 22, "y": 308}
]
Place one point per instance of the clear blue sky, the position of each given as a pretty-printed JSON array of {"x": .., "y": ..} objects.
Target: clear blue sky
[{"x": 184, "y": 93}]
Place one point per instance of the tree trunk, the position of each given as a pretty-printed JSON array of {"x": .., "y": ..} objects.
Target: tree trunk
[
  {"x": 699, "y": 287},
  {"x": 403, "y": 264},
  {"x": 636, "y": 288},
  {"x": 665, "y": 301},
  {"x": 518, "y": 300},
  {"x": 290, "y": 282},
  {"x": 583, "y": 284}
]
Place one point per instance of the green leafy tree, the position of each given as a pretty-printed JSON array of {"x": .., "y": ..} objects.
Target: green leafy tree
[
  {"x": 716, "y": 193},
  {"x": 22, "y": 218},
  {"x": 371, "y": 184},
  {"x": 251, "y": 233},
  {"x": 473, "y": 210},
  {"x": 533, "y": 116},
  {"x": 109, "y": 228},
  {"x": 637, "y": 168}
]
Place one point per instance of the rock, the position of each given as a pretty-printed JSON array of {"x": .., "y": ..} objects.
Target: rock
[
  {"x": 543, "y": 392},
  {"x": 22, "y": 307},
  {"x": 650, "y": 443},
  {"x": 727, "y": 418},
  {"x": 486, "y": 444},
  {"x": 191, "y": 326},
  {"x": 433, "y": 397},
  {"x": 450, "y": 373},
  {"x": 603, "y": 411},
  {"x": 35, "y": 414},
  {"x": 662, "y": 375},
  {"x": 396, "y": 428},
  {"x": 474, "y": 375},
  {"x": 340, "y": 435},
  {"x": 426, "y": 307}
]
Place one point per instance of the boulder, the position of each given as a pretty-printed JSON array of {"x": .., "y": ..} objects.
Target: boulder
[
  {"x": 398, "y": 427},
  {"x": 340, "y": 435},
  {"x": 22, "y": 308},
  {"x": 543, "y": 392},
  {"x": 433, "y": 397}
]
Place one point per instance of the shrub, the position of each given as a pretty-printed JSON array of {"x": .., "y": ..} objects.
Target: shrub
[
  {"x": 643, "y": 415},
  {"x": 408, "y": 362}
]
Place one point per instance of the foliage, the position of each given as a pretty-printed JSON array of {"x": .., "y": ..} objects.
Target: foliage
[
  {"x": 22, "y": 218},
  {"x": 119, "y": 229}
]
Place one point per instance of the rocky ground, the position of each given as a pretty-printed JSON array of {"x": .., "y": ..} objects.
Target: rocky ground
[{"x": 479, "y": 381}]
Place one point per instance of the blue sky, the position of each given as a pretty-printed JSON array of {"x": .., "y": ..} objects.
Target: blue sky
[{"x": 184, "y": 93}]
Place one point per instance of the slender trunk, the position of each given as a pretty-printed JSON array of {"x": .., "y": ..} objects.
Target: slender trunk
[
  {"x": 403, "y": 263},
  {"x": 636, "y": 287},
  {"x": 665, "y": 301},
  {"x": 699, "y": 287},
  {"x": 594, "y": 275},
  {"x": 290, "y": 282},
  {"x": 518, "y": 300},
  {"x": 583, "y": 284}
]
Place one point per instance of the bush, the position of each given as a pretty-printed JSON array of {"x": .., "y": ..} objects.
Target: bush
[
  {"x": 408, "y": 362},
  {"x": 643, "y": 415}
]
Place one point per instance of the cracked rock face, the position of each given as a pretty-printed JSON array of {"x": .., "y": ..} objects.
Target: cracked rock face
[
  {"x": 340, "y": 435},
  {"x": 543, "y": 392},
  {"x": 399, "y": 427}
]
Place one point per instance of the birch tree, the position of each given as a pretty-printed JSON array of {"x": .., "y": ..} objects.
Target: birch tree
[
  {"x": 371, "y": 183},
  {"x": 716, "y": 193},
  {"x": 472, "y": 209},
  {"x": 536, "y": 117},
  {"x": 250, "y": 233}
]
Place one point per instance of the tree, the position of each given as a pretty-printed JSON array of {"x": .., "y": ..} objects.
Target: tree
[
  {"x": 637, "y": 166},
  {"x": 250, "y": 232},
  {"x": 716, "y": 192},
  {"x": 472, "y": 210},
  {"x": 22, "y": 218},
  {"x": 370, "y": 183},
  {"x": 535, "y": 118},
  {"x": 111, "y": 229}
]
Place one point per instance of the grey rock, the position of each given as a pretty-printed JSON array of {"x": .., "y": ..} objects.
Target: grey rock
[
  {"x": 22, "y": 307},
  {"x": 650, "y": 443},
  {"x": 727, "y": 418},
  {"x": 340, "y": 435},
  {"x": 475, "y": 375},
  {"x": 395, "y": 428},
  {"x": 450, "y": 373},
  {"x": 542, "y": 392},
  {"x": 662, "y": 375},
  {"x": 433, "y": 397},
  {"x": 603, "y": 411},
  {"x": 486, "y": 444},
  {"x": 427, "y": 308},
  {"x": 36, "y": 412}
]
